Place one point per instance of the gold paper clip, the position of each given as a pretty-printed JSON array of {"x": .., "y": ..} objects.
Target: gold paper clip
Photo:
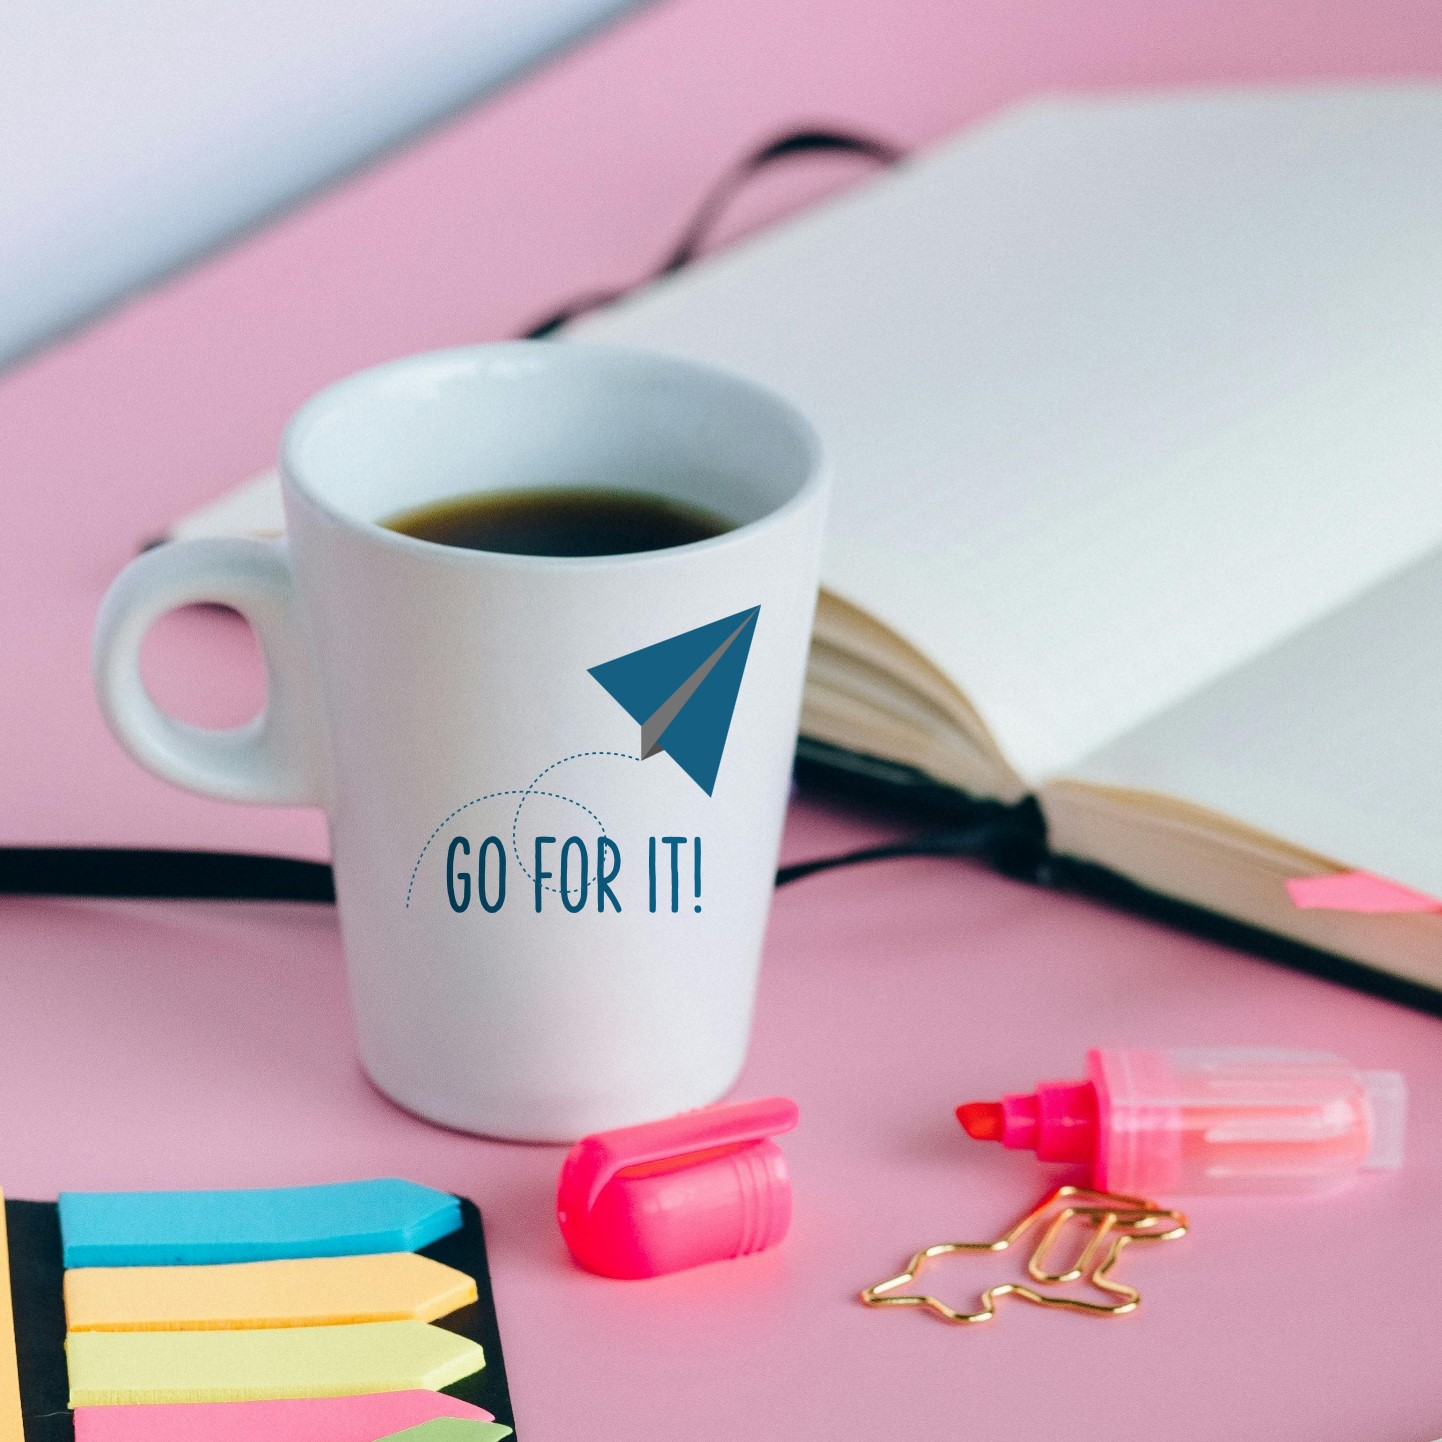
[{"x": 1112, "y": 1221}]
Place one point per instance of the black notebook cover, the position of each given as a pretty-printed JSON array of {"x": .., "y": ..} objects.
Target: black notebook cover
[
  {"x": 1016, "y": 845},
  {"x": 36, "y": 1274}
]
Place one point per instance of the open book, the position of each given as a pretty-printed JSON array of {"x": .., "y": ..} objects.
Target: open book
[{"x": 1136, "y": 412}]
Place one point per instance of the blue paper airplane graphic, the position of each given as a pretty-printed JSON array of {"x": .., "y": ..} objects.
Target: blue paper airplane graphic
[{"x": 683, "y": 692}]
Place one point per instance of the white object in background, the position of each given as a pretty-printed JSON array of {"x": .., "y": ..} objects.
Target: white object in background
[
  {"x": 253, "y": 508},
  {"x": 136, "y": 134},
  {"x": 438, "y": 703}
]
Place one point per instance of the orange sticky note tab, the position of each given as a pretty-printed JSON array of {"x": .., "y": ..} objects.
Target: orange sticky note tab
[
  {"x": 12, "y": 1424},
  {"x": 1358, "y": 891},
  {"x": 304, "y": 1292}
]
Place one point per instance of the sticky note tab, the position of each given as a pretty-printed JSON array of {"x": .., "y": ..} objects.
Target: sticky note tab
[
  {"x": 135, "y": 1229},
  {"x": 12, "y": 1425},
  {"x": 308, "y": 1292},
  {"x": 306, "y": 1419},
  {"x": 259, "y": 1364},
  {"x": 1358, "y": 891},
  {"x": 451, "y": 1429}
]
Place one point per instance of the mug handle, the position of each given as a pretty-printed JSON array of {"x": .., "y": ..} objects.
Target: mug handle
[{"x": 279, "y": 755}]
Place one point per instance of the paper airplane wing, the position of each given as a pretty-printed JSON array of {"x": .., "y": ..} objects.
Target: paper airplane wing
[{"x": 683, "y": 692}]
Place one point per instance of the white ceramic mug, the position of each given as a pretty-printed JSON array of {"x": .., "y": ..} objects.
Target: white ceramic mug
[{"x": 546, "y": 934}]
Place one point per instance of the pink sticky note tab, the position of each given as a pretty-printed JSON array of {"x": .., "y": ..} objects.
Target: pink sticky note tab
[
  {"x": 307, "y": 1419},
  {"x": 1357, "y": 891}
]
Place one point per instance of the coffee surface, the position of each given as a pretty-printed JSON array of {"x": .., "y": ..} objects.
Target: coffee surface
[{"x": 541, "y": 522}]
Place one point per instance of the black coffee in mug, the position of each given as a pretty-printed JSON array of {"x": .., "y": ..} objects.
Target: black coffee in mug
[{"x": 591, "y": 521}]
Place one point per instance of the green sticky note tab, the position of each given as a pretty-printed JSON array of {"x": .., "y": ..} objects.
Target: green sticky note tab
[
  {"x": 452, "y": 1429},
  {"x": 258, "y": 1364}
]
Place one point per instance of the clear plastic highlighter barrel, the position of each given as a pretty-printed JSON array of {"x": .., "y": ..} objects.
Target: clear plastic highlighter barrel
[{"x": 1153, "y": 1122}]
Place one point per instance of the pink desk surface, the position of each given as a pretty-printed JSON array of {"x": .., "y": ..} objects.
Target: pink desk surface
[{"x": 202, "y": 1045}]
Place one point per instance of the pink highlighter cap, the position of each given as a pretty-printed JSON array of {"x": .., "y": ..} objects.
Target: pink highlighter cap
[{"x": 705, "y": 1186}]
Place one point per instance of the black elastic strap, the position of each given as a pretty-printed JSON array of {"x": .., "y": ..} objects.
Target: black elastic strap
[
  {"x": 161, "y": 875},
  {"x": 693, "y": 238},
  {"x": 240, "y": 876},
  {"x": 983, "y": 840}
]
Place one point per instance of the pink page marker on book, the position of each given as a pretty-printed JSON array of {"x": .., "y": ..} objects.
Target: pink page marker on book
[
  {"x": 1358, "y": 891},
  {"x": 306, "y": 1419}
]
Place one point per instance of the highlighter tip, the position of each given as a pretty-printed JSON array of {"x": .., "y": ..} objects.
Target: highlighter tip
[{"x": 984, "y": 1121}]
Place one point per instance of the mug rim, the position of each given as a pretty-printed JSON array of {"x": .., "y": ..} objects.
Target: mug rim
[{"x": 814, "y": 483}]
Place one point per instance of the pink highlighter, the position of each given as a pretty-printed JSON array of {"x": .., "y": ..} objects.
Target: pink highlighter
[{"x": 1233, "y": 1119}]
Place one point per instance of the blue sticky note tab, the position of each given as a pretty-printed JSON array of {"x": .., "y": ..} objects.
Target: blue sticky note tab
[{"x": 156, "y": 1229}]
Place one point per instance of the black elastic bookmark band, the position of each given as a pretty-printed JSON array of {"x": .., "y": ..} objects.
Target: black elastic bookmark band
[
  {"x": 239, "y": 876},
  {"x": 161, "y": 875},
  {"x": 1011, "y": 849},
  {"x": 984, "y": 840},
  {"x": 694, "y": 237}
]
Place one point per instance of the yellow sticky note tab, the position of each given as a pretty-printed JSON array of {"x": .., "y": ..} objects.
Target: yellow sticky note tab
[
  {"x": 308, "y": 1292},
  {"x": 263, "y": 1364},
  {"x": 12, "y": 1423}
]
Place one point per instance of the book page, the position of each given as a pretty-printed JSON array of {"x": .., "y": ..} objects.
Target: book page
[
  {"x": 1332, "y": 741},
  {"x": 1119, "y": 393}
]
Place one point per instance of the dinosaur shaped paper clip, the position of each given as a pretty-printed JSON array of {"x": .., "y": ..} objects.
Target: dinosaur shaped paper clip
[{"x": 1111, "y": 1221}]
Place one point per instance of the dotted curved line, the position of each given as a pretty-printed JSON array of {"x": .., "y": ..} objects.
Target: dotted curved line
[
  {"x": 577, "y": 755},
  {"x": 530, "y": 790},
  {"x": 491, "y": 795},
  {"x": 523, "y": 792},
  {"x": 515, "y": 847}
]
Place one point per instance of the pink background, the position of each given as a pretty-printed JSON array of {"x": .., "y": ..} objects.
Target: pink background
[{"x": 175, "y": 1045}]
